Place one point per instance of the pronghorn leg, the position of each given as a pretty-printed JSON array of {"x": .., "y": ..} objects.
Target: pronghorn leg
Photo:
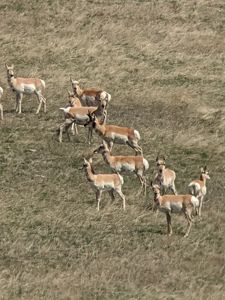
[
  {"x": 20, "y": 102},
  {"x": 200, "y": 206},
  {"x": 173, "y": 189},
  {"x": 112, "y": 195},
  {"x": 17, "y": 103},
  {"x": 44, "y": 101},
  {"x": 187, "y": 214},
  {"x": 74, "y": 129},
  {"x": 136, "y": 147},
  {"x": 169, "y": 227},
  {"x": 98, "y": 198},
  {"x": 90, "y": 133},
  {"x": 61, "y": 128},
  {"x": 1, "y": 111},
  {"x": 110, "y": 145},
  {"x": 141, "y": 179},
  {"x": 119, "y": 192},
  {"x": 40, "y": 102}
]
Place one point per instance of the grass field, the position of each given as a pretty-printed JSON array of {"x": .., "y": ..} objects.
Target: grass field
[{"x": 163, "y": 63}]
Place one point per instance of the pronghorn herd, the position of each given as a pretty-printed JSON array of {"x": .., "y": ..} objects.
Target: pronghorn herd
[{"x": 88, "y": 107}]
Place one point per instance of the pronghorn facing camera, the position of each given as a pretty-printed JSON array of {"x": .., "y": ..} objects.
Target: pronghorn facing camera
[
  {"x": 135, "y": 164},
  {"x": 73, "y": 102},
  {"x": 26, "y": 86},
  {"x": 198, "y": 187},
  {"x": 116, "y": 134},
  {"x": 187, "y": 204},
  {"x": 104, "y": 182},
  {"x": 91, "y": 96},
  {"x": 1, "y": 106},
  {"x": 165, "y": 177}
]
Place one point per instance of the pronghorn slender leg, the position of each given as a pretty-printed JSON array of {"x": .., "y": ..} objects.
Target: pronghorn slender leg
[
  {"x": 136, "y": 147},
  {"x": 119, "y": 192},
  {"x": 40, "y": 102},
  {"x": 1, "y": 111},
  {"x": 110, "y": 145},
  {"x": 98, "y": 198},
  {"x": 20, "y": 102},
  {"x": 173, "y": 189},
  {"x": 200, "y": 206},
  {"x": 17, "y": 102},
  {"x": 43, "y": 100},
  {"x": 141, "y": 179},
  {"x": 169, "y": 227},
  {"x": 90, "y": 133},
  {"x": 112, "y": 195},
  {"x": 187, "y": 214}
]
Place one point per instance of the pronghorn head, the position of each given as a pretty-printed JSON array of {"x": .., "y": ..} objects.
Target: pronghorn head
[
  {"x": 205, "y": 173},
  {"x": 10, "y": 70},
  {"x": 161, "y": 163},
  {"x": 74, "y": 83},
  {"x": 72, "y": 99},
  {"x": 102, "y": 148}
]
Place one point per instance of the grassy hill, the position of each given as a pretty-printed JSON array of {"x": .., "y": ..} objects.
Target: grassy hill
[{"x": 163, "y": 63}]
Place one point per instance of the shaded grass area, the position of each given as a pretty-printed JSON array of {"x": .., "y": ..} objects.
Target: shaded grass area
[{"x": 162, "y": 62}]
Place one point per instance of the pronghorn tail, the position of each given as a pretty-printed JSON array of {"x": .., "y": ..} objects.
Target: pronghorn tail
[
  {"x": 146, "y": 164},
  {"x": 137, "y": 135}
]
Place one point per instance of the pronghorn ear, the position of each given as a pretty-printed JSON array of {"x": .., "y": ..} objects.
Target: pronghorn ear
[
  {"x": 12, "y": 66},
  {"x": 104, "y": 144},
  {"x": 205, "y": 168},
  {"x": 85, "y": 161},
  {"x": 90, "y": 160},
  {"x": 6, "y": 66},
  {"x": 163, "y": 157},
  {"x": 202, "y": 169}
]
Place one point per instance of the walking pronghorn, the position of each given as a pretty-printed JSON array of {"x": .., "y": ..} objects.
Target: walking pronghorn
[
  {"x": 104, "y": 182},
  {"x": 25, "y": 86},
  {"x": 135, "y": 164},
  {"x": 73, "y": 102},
  {"x": 198, "y": 187},
  {"x": 1, "y": 106},
  {"x": 175, "y": 204},
  {"x": 90, "y": 96},
  {"x": 165, "y": 177},
  {"x": 115, "y": 134}
]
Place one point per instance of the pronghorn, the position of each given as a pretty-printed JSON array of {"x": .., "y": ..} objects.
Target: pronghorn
[
  {"x": 136, "y": 164},
  {"x": 91, "y": 96},
  {"x": 73, "y": 102},
  {"x": 175, "y": 204},
  {"x": 115, "y": 134},
  {"x": 198, "y": 187},
  {"x": 1, "y": 106},
  {"x": 104, "y": 182},
  {"x": 25, "y": 86},
  {"x": 165, "y": 177},
  {"x": 81, "y": 116}
]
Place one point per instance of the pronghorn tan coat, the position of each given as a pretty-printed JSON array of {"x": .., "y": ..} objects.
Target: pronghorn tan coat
[
  {"x": 168, "y": 204},
  {"x": 198, "y": 187},
  {"x": 115, "y": 134},
  {"x": 91, "y": 96},
  {"x": 27, "y": 86},
  {"x": 104, "y": 182},
  {"x": 136, "y": 164}
]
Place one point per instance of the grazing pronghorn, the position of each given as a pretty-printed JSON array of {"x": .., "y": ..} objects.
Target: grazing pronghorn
[
  {"x": 175, "y": 204},
  {"x": 198, "y": 187},
  {"x": 1, "y": 106},
  {"x": 91, "y": 96},
  {"x": 80, "y": 116},
  {"x": 165, "y": 177},
  {"x": 115, "y": 134},
  {"x": 104, "y": 182},
  {"x": 25, "y": 86},
  {"x": 135, "y": 164}
]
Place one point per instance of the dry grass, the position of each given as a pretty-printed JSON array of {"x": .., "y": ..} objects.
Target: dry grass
[{"x": 163, "y": 63}]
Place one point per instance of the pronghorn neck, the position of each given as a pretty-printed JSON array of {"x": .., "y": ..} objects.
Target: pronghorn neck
[
  {"x": 106, "y": 155},
  {"x": 157, "y": 198},
  {"x": 89, "y": 173},
  {"x": 11, "y": 80},
  {"x": 203, "y": 179},
  {"x": 78, "y": 91},
  {"x": 100, "y": 129}
]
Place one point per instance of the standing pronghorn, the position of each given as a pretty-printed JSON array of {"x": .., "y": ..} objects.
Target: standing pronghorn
[
  {"x": 1, "y": 106},
  {"x": 25, "y": 86},
  {"x": 104, "y": 182},
  {"x": 91, "y": 96},
  {"x": 73, "y": 102},
  {"x": 165, "y": 177},
  {"x": 198, "y": 187},
  {"x": 115, "y": 134},
  {"x": 135, "y": 164},
  {"x": 81, "y": 116},
  {"x": 175, "y": 204}
]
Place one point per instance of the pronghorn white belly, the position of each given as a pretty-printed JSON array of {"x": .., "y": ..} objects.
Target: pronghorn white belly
[
  {"x": 88, "y": 100},
  {"x": 107, "y": 186},
  {"x": 81, "y": 119},
  {"x": 174, "y": 207},
  {"x": 27, "y": 88},
  {"x": 125, "y": 167},
  {"x": 119, "y": 138}
]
